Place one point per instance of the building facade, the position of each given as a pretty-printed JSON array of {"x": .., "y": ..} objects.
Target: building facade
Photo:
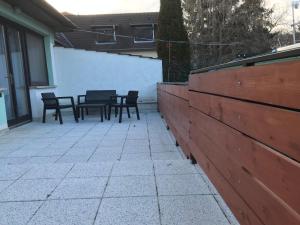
[
  {"x": 130, "y": 33},
  {"x": 27, "y": 30}
]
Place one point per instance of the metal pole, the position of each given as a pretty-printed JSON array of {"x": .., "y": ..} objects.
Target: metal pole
[
  {"x": 294, "y": 25},
  {"x": 169, "y": 67}
]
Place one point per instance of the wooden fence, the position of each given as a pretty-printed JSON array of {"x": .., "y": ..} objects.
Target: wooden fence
[{"x": 243, "y": 127}]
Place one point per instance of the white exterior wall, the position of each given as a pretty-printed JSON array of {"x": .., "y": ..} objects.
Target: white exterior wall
[{"x": 80, "y": 70}]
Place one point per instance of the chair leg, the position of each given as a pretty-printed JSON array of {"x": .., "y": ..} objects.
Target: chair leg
[
  {"x": 109, "y": 112},
  {"x": 105, "y": 112},
  {"x": 74, "y": 113},
  {"x": 116, "y": 111},
  {"x": 82, "y": 113},
  {"x": 101, "y": 113},
  {"x": 137, "y": 112},
  {"x": 56, "y": 115},
  {"x": 121, "y": 112},
  {"x": 87, "y": 111},
  {"x": 77, "y": 111},
  {"x": 44, "y": 115},
  {"x": 59, "y": 116},
  {"x": 128, "y": 112}
]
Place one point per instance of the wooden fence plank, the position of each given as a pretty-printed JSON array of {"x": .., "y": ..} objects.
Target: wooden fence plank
[
  {"x": 277, "y": 83},
  {"x": 268, "y": 206},
  {"x": 261, "y": 161},
  {"x": 238, "y": 206},
  {"x": 274, "y": 127}
]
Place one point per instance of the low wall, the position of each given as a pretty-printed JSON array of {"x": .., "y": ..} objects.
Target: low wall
[
  {"x": 244, "y": 127},
  {"x": 80, "y": 70},
  {"x": 3, "y": 120}
]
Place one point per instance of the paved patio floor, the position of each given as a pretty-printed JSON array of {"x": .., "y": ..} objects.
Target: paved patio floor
[{"x": 108, "y": 173}]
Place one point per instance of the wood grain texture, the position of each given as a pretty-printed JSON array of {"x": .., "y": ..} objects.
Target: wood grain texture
[
  {"x": 244, "y": 214},
  {"x": 259, "y": 160},
  {"x": 267, "y": 205},
  {"x": 272, "y": 126},
  {"x": 276, "y": 84},
  {"x": 173, "y": 99}
]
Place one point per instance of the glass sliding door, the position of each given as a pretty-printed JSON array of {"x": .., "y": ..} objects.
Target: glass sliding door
[
  {"x": 13, "y": 76},
  {"x": 5, "y": 78},
  {"x": 17, "y": 72}
]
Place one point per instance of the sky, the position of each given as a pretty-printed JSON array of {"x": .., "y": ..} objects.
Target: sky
[{"x": 281, "y": 7}]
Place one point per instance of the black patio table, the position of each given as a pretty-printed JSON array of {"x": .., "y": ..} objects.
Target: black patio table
[{"x": 82, "y": 106}]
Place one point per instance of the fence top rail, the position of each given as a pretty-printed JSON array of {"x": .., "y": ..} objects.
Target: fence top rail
[
  {"x": 252, "y": 61},
  {"x": 175, "y": 83}
]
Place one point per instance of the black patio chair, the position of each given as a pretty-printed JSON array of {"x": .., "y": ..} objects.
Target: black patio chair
[
  {"x": 130, "y": 102},
  {"x": 51, "y": 102}
]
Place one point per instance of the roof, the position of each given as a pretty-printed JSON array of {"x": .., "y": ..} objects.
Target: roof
[
  {"x": 43, "y": 12},
  {"x": 85, "y": 37},
  {"x": 266, "y": 58}
]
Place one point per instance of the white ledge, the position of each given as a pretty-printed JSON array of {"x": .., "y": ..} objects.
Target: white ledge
[{"x": 43, "y": 87}]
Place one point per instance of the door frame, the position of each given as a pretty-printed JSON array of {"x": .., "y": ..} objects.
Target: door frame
[{"x": 21, "y": 30}]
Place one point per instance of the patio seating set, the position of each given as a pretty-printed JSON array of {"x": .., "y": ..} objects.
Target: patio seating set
[{"x": 104, "y": 100}]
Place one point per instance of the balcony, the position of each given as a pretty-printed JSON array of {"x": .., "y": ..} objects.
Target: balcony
[{"x": 103, "y": 173}]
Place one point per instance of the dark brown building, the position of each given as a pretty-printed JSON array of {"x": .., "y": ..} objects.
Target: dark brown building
[{"x": 131, "y": 33}]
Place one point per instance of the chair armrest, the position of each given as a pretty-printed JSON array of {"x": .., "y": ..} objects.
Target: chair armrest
[
  {"x": 68, "y": 97},
  {"x": 51, "y": 99},
  {"x": 79, "y": 97}
]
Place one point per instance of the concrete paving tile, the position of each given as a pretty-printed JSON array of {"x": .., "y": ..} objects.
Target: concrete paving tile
[
  {"x": 161, "y": 141},
  {"x": 24, "y": 153},
  {"x": 74, "y": 158},
  {"x": 14, "y": 161},
  {"x": 140, "y": 142},
  {"x": 17, "y": 213},
  {"x": 13, "y": 172},
  {"x": 173, "y": 167},
  {"x": 86, "y": 144},
  {"x": 66, "y": 212},
  {"x": 226, "y": 210},
  {"x": 80, "y": 151},
  {"x": 80, "y": 188},
  {"x": 191, "y": 210},
  {"x": 48, "y": 171},
  {"x": 91, "y": 170},
  {"x": 209, "y": 184},
  {"x": 127, "y": 168},
  {"x": 181, "y": 185},
  {"x": 6, "y": 153},
  {"x": 136, "y": 149},
  {"x": 4, "y": 184},
  {"x": 131, "y": 186},
  {"x": 136, "y": 156},
  {"x": 166, "y": 156},
  {"x": 29, "y": 190},
  {"x": 101, "y": 149},
  {"x": 105, "y": 157},
  {"x": 128, "y": 211},
  {"x": 52, "y": 151},
  {"x": 42, "y": 159},
  {"x": 163, "y": 148}
]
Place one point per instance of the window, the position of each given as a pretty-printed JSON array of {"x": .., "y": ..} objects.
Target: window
[
  {"x": 106, "y": 34},
  {"x": 143, "y": 33},
  {"x": 37, "y": 60}
]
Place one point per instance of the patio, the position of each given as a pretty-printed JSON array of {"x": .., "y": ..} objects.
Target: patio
[{"x": 103, "y": 173}]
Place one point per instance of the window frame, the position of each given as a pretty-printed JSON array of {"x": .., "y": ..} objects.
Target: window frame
[
  {"x": 32, "y": 83},
  {"x": 144, "y": 25},
  {"x": 98, "y": 28}
]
